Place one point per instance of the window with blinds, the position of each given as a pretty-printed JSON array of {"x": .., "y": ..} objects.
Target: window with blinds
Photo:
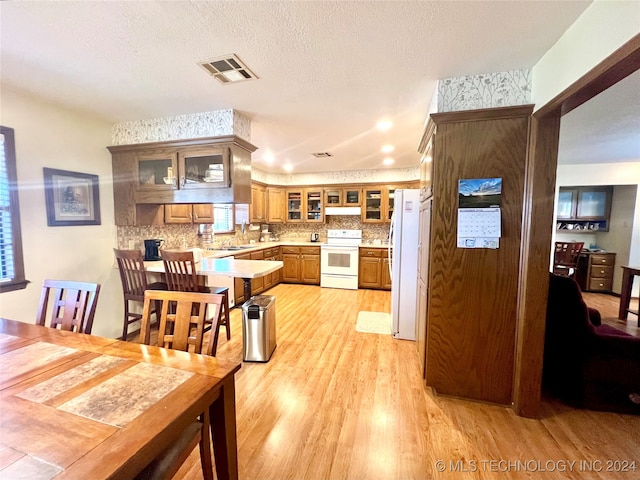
[
  {"x": 223, "y": 218},
  {"x": 7, "y": 270},
  {"x": 11, "y": 265}
]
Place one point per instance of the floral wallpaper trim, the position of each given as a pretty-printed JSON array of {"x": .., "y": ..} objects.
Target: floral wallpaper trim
[
  {"x": 500, "y": 89},
  {"x": 329, "y": 178},
  {"x": 179, "y": 127}
]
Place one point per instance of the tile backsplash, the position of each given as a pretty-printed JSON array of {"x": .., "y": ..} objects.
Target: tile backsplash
[{"x": 180, "y": 236}]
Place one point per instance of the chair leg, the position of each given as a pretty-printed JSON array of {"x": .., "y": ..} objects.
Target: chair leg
[
  {"x": 125, "y": 328},
  {"x": 213, "y": 342},
  {"x": 225, "y": 312}
]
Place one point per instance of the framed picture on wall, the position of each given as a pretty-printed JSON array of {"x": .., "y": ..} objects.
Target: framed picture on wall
[{"x": 72, "y": 198}]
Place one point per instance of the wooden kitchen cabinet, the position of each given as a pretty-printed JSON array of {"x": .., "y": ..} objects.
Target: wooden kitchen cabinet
[
  {"x": 189, "y": 213},
  {"x": 184, "y": 169},
  {"x": 314, "y": 206},
  {"x": 595, "y": 271},
  {"x": 238, "y": 283},
  {"x": 385, "y": 274},
  {"x": 295, "y": 205},
  {"x": 310, "y": 269},
  {"x": 276, "y": 205},
  {"x": 426, "y": 161},
  {"x": 257, "y": 284},
  {"x": 584, "y": 209},
  {"x": 373, "y": 269},
  {"x": 257, "y": 209},
  {"x": 374, "y": 202},
  {"x": 343, "y": 197},
  {"x": 148, "y": 176},
  {"x": 301, "y": 265},
  {"x": 273, "y": 278}
]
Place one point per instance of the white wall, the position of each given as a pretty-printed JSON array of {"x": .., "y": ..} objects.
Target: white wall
[
  {"x": 603, "y": 28},
  {"x": 610, "y": 174},
  {"x": 49, "y": 136}
]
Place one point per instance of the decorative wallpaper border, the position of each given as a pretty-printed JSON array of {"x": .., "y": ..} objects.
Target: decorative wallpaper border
[
  {"x": 179, "y": 127},
  {"x": 499, "y": 89},
  {"x": 346, "y": 176}
]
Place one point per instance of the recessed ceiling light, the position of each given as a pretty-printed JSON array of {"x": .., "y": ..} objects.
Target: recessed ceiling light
[
  {"x": 384, "y": 125},
  {"x": 288, "y": 167},
  {"x": 268, "y": 158},
  {"x": 388, "y": 149},
  {"x": 388, "y": 161}
]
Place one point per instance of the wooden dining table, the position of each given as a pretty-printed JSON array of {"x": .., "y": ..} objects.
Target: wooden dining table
[{"x": 75, "y": 406}]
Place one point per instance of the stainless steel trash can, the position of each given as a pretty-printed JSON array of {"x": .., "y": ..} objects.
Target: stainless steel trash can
[{"x": 258, "y": 328}]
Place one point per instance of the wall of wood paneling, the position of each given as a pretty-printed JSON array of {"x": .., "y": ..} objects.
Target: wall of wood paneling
[{"x": 474, "y": 292}]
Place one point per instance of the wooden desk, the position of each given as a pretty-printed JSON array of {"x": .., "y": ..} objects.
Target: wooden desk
[
  {"x": 245, "y": 269},
  {"x": 80, "y": 406},
  {"x": 628, "y": 273}
]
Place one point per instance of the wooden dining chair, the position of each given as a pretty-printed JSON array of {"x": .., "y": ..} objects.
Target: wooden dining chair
[
  {"x": 133, "y": 277},
  {"x": 565, "y": 258},
  {"x": 181, "y": 275},
  {"x": 182, "y": 318},
  {"x": 74, "y": 305},
  {"x": 180, "y": 329}
]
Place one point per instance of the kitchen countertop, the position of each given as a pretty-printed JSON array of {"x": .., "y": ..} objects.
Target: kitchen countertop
[{"x": 248, "y": 248}]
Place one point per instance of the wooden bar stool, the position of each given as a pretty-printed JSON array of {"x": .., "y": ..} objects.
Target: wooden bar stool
[
  {"x": 181, "y": 272},
  {"x": 223, "y": 319},
  {"x": 134, "y": 283}
]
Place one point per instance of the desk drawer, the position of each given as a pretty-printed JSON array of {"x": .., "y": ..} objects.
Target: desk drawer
[
  {"x": 601, "y": 272},
  {"x": 600, "y": 284},
  {"x": 603, "y": 259}
]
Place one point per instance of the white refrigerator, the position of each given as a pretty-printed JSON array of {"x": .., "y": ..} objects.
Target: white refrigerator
[{"x": 403, "y": 263}]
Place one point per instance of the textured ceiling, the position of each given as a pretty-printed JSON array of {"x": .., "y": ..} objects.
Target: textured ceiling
[
  {"x": 606, "y": 128},
  {"x": 328, "y": 71}
]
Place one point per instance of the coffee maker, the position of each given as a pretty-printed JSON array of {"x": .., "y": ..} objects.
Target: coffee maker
[{"x": 151, "y": 249}]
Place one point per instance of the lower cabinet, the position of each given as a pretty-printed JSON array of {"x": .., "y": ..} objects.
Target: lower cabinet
[
  {"x": 260, "y": 284},
  {"x": 301, "y": 265},
  {"x": 238, "y": 283},
  {"x": 595, "y": 271},
  {"x": 373, "y": 269}
]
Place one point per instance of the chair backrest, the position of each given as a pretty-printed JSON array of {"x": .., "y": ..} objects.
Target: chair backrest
[
  {"x": 566, "y": 256},
  {"x": 178, "y": 317},
  {"x": 74, "y": 306},
  {"x": 180, "y": 271},
  {"x": 132, "y": 273}
]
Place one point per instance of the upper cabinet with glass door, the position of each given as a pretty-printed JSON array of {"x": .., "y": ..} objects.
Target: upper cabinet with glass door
[
  {"x": 156, "y": 171},
  {"x": 584, "y": 208},
  {"x": 294, "y": 205},
  {"x": 185, "y": 169},
  {"x": 203, "y": 168},
  {"x": 343, "y": 197},
  {"x": 373, "y": 208},
  {"x": 314, "y": 209}
]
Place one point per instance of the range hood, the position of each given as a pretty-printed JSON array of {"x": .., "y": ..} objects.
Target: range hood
[{"x": 342, "y": 211}]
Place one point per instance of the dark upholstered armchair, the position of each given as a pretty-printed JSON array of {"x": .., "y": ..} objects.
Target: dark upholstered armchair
[{"x": 588, "y": 364}]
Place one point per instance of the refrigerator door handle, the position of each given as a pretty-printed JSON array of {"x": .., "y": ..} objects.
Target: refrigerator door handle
[{"x": 389, "y": 245}]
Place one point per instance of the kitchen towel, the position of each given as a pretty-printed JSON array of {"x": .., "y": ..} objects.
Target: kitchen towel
[{"x": 374, "y": 322}]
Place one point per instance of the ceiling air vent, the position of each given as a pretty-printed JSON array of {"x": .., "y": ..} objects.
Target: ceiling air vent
[
  {"x": 322, "y": 154},
  {"x": 228, "y": 69}
]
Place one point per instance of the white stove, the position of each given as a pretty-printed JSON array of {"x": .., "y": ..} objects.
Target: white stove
[{"x": 339, "y": 259}]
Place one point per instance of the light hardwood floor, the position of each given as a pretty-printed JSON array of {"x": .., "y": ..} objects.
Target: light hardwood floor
[{"x": 334, "y": 403}]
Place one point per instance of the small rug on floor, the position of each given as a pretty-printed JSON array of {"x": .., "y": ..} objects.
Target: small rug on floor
[{"x": 374, "y": 322}]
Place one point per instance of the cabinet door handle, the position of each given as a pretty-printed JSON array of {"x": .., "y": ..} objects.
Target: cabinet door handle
[
  {"x": 174, "y": 182},
  {"x": 183, "y": 181}
]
